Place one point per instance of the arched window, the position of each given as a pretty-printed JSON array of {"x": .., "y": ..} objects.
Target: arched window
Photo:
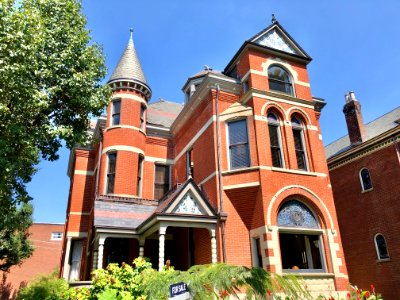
[
  {"x": 298, "y": 137},
  {"x": 275, "y": 140},
  {"x": 300, "y": 238},
  {"x": 381, "y": 248},
  {"x": 365, "y": 179},
  {"x": 279, "y": 80}
]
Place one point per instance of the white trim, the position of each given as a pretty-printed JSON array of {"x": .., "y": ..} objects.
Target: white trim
[
  {"x": 197, "y": 198},
  {"x": 122, "y": 126},
  {"x": 128, "y": 96},
  {"x": 288, "y": 112},
  {"x": 76, "y": 234},
  {"x": 73, "y": 213},
  {"x": 241, "y": 185},
  {"x": 166, "y": 161},
  {"x": 84, "y": 172},
  {"x": 273, "y": 200},
  {"x": 122, "y": 148},
  {"x": 208, "y": 177},
  {"x": 268, "y": 97},
  {"x": 377, "y": 250},
  {"x": 228, "y": 154},
  {"x": 198, "y": 134},
  {"x": 293, "y": 171},
  {"x": 363, "y": 190}
]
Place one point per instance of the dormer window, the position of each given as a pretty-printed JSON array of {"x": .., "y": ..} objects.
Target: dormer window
[{"x": 279, "y": 80}]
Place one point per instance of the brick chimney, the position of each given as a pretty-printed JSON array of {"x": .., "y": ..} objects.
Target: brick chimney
[{"x": 354, "y": 119}]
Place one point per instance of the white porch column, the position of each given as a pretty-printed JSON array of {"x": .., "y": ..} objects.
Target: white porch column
[
  {"x": 66, "y": 258},
  {"x": 141, "y": 247},
  {"x": 213, "y": 247},
  {"x": 161, "y": 248},
  {"x": 100, "y": 252}
]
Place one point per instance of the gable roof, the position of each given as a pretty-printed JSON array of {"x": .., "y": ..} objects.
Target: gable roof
[
  {"x": 163, "y": 113},
  {"x": 277, "y": 38},
  {"x": 274, "y": 39},
  {"x": 171, "y": 202},
  {"x": 372, "y": 129}
]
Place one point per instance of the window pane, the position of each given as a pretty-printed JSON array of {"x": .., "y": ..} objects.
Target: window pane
[
  {"x": 237, "y": 132},
  {"x": 161, "y": 181},
  {"x": 240, "y": 156},
  {"x": 300, "y": 251},
  {"x": 299, "y": 148},
  {"x": 238, "y": 144},
  {"x": 279, "y": 80},
  {"x": 112, "y": 161},
  {"x": 366, "y": 179},
  {"x": 382, "y": 249},
  {"x": 112, "y": 158},
  {"x": 110, "y": 183},
  {"x": 116, "y": 110}
]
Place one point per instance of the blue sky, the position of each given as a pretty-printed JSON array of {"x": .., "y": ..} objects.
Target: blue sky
[{"x": 354, "y": 44}]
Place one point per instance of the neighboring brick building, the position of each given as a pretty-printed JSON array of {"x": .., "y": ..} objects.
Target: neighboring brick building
[
  {"x": 236, "y": 174},
  {"x": 47, "y": 241},
  {"x": 364, "y": 168}
]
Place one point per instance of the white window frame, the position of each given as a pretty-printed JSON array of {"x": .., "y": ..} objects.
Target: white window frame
[
  {"x": 362, "y": 181},
  {"x": 306, "y": 231},
  {"x": 377, "y": 249},
  {"x": 279, "y": 125},
  {"x": 112, "y": 111},
  {"x": 140, "y": 169},
  {"x": 303, "y": 142},
  {"x": 56, "y": 236},
  {"x": 107, "y": 168},
  {"x": 291, "y": 78},
  {"x": 228, "y": 143}
]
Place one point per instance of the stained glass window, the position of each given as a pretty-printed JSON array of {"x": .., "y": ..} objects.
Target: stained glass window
[{"x": 295, "y": 214}]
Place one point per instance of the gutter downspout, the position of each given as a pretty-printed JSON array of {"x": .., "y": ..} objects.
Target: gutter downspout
[{"x": 221, "y": 214}]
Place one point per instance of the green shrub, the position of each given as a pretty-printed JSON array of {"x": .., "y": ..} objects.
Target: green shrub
[{"x": 48, "y": 287}]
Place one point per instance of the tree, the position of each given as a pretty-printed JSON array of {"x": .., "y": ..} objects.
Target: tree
[{"x": 50, "y": 75}]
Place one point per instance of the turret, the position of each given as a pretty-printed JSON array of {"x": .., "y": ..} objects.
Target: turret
[{"x": 125, "y": 131}]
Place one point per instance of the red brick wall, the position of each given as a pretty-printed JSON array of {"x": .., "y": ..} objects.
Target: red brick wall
[
  {"x": 364, "y": 214},
  {"x": 44, "y": 260}
]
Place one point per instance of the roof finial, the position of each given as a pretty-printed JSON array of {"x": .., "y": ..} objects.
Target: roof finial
[
  {"x": 131, "y": 31},
  {"x": 273, "y": 18}
]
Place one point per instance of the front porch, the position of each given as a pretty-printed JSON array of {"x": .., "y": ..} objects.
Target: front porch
[{"x": 182, "y": 244}]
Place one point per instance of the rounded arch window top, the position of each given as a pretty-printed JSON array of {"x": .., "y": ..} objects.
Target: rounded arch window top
[
  {"x": 272, "y": 117},
  {"x": 279, "y": 80},
  {"x": 279, "y": 73},
  {"x": 296, "y": 122},
  {"x": 293, "y": 213}
]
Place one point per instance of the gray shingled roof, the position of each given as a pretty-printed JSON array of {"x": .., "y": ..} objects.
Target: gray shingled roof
[
  {"x": 372, "y": 129},
  {"x": 163, "y": 113},
  {"x": 121, "y": 214},
  {"x": 129, "y": 67}
]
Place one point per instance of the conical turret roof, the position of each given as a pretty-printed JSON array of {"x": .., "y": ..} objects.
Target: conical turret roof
[{"x": 129, "y": 70}]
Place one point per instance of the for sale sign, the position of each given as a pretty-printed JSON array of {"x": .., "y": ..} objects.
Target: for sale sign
[{"x": 179, "y": 291}]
